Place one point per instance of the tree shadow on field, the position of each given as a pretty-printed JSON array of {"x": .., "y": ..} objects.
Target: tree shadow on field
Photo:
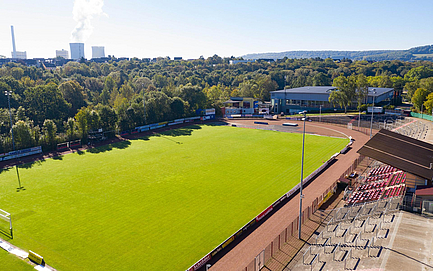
[
  {"x": 59, "y": 157},
  {"x": 32, "y": 164},
  {"x": 182, "y": 131},
  {"x": 118, "y": 145},
  {"x": 5, "y": 169}
]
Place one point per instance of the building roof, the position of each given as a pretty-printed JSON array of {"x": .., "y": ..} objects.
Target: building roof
[
  {"x": 378, "y": 91},
  {"x": 408, "y": 154},
  {"x": 327, "y": 90},
  {"x": 315, "y": 90},
  {"x": 424, "y": 190}
]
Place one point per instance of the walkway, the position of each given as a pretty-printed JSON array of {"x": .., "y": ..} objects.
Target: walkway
[{"x": 241, "y": 255}]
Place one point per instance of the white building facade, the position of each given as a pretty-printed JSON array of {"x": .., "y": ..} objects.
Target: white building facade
[{"x": 62, "y": 53}]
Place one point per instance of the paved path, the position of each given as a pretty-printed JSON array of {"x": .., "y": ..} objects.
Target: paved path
[{"x": 241, "y": 255}]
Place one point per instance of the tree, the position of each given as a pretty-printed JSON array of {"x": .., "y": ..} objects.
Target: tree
[
  {"x": 427, "y": 84},
  {"x": 419, "y": 97},
  {"x": 73, "y": 93},
  {"x": 411, "y": 87},
  {"x": 17, "y": 73},
  {"x": 178, "y": 108},
  {"x": 70, "y": 127},
  {"x": 23, "y": 135},
  {"x": 361, "y": 89},
  {"x": 265, "y": 86},
  {"x": 418, "y": 73},
  {"x": 194, "y": 96},
  {"x": 108, "y": 117},
  {"x": 109, "y": 87},
  {"x": 157, "y": 106},
  {"x": 321, "y": 79},
  {"x": 46, "y": 102},
  {"x": 3, "y": 98},
  {"x": 339, "y": 98},
  {"x": 50, "y": 130},
  {"x": 81, "y": 118},
  {"x": 428, "y": 104},
  {"x": 93, "y": 120},
  {"x": 346, "y": 92},
  {"x": 141, "y": 83}
]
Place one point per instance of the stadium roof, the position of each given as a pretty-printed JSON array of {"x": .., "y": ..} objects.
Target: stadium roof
[
  {"x": 408, "y": 154},
  {"x": 424, "y": 190}
]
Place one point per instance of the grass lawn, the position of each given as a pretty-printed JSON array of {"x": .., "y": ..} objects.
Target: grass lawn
[
  {"x": 12, "y": 263},
  {"x": 156, "y": 203}
]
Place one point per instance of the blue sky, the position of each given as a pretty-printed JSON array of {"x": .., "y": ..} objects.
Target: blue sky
[{"x": 190, "y": 29}]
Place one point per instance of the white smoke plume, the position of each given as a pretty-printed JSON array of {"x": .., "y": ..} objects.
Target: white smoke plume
[{"x": 83, "y": 13}]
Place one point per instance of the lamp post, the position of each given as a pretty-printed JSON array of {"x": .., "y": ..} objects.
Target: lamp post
[
  {"x": 372, "y": 111},
  {"x": 320, "y": 109},
  {"x": 9, "y": 93},
  {"x": 302, "y": 176},
  {"x": 422, "y": 109}
]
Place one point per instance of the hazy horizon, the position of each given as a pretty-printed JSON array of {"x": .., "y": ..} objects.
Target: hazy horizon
[{"x": 190, "y": 29}]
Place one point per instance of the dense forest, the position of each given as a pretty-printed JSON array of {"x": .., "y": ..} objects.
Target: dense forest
[
  {"x": 412, "y": 54},
  {"x": 52, "y": 106}
]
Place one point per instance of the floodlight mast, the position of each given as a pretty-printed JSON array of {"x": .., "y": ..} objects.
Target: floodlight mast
[
  {"x": 9, "y": 93},
  {"x": 144, "y": 103},
  {"x": 302, "y": 176}
]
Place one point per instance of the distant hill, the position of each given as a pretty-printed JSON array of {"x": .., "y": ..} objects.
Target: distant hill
[{"x": 416, "y": 53}]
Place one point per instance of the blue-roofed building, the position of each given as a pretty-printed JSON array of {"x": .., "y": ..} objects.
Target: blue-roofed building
[{"x": 294, "y": 100}]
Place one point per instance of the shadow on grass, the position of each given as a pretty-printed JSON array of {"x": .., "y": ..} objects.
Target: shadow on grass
[
  {"x": 6, "y": 234},
  {"x": 5, "y": 169},
  {"x": 182, "y": 131},
  {"x": 118, "y": 145},
  {"x": 32, "y": 164},
  {"x": 59, "y": 157}
]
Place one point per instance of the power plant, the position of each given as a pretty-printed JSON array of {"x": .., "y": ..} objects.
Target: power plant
[
  {"x": 77, "y": 50},
  {"x": 16, "y": 54},
  {"x": 76, "y": 53},
  {"x": 98, "y": 51}
]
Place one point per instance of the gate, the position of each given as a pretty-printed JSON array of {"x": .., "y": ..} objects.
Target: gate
[{"x": 260, "y": 261}]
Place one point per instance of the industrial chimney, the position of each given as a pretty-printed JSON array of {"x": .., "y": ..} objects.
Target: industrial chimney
[
  {"x": 77, "y": 50},
  {"x": 98, "y": 51},
  {"x": 16, "y": 54}
]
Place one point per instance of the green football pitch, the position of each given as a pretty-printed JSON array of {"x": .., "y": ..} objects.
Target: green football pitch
[
  {"x": 12, "y": 263},
  {"x": 156, "y": 203}
]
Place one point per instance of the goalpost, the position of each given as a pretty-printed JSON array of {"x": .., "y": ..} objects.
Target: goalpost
[{"x": 6, "y": 223}]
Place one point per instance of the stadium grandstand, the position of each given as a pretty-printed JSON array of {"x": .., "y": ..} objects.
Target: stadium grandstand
[{"x": 367, "y": 229}]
